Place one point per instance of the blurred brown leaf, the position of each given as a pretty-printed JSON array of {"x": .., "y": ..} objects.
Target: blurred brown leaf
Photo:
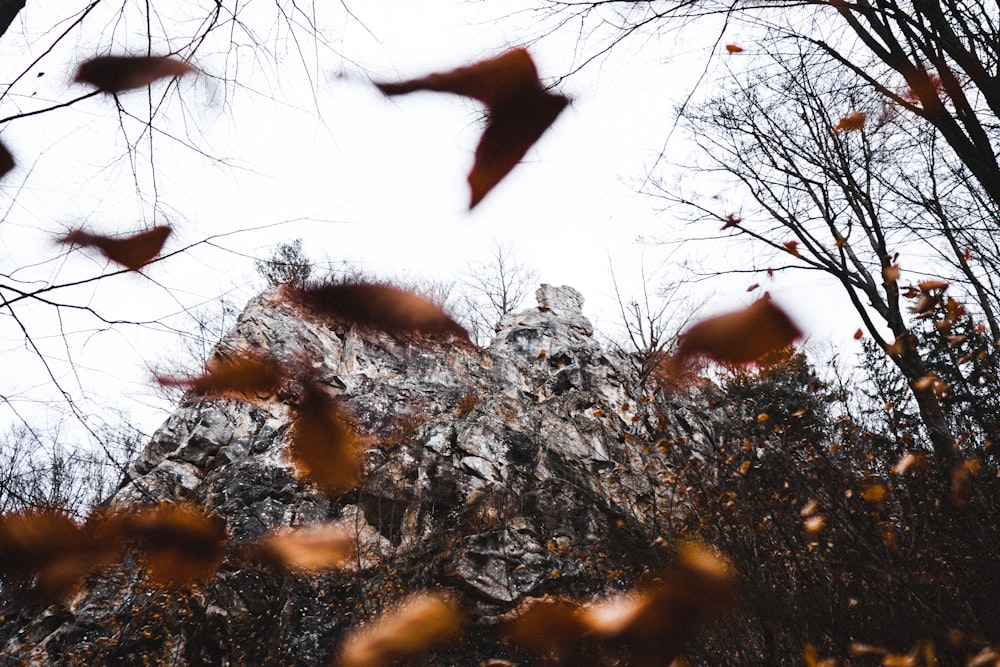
[
  {"x": 657, "y": 621},
  {"x": 852, "y": 121},
  {"x": 520, "y": 110},
  {"x": 416, "y": 626},
  {"x": 382, "y": 307},
  {"x": 549, "y": 625},
  {"x": 181, "y": 543},
  {"x": 323, "y": 447},
  {"x": 6, "y": 161},
  {"x": 739, "y": 337},
  {"x": 733, "y": 48},
  {"x": 114, "y": 74},
  {"x": 312, "y": 548},
  {"x": 50, "y": 548},
  {"x": 246, "y": 376},
  {"x": 133, "y": 252}
]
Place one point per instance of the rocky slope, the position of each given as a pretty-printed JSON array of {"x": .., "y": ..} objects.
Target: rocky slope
[{"x": 501, "y": 474}]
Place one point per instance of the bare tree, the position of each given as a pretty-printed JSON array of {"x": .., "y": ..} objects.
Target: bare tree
[{"x": 493, "y": 288}]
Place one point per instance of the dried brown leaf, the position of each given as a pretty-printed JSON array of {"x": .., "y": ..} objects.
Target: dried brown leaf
[
  {"x": 114, "y": 74},
  {"x": 520, "y": 110},
  {"x": 852, "y": 121},
  {"x": 133, "y": 252},
  {"x": 417, "y": 625},
  {"x": 244, "y": 376},
  {"x": 740, "y": 337},
  {"x": 548, "y": 625},
  {"x": 382, "y": 307},
  {"x": 323, "y": 447},
  {"x": 311, "y": 548},
  {"x": 181, "y": 543},
  {"x": 7, "y": 162}
]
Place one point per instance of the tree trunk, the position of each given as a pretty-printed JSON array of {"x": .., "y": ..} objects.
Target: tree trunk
[{"x": 931, "y": 414}]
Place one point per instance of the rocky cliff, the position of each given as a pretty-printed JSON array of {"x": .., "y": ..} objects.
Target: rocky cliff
[{"x": 501, "y": 474}]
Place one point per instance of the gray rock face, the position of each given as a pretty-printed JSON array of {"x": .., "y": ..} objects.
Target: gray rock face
[{"x": 503, "y": 473}]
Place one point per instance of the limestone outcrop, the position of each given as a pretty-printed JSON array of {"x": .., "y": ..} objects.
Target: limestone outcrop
[{"x": 502, "y": 474}]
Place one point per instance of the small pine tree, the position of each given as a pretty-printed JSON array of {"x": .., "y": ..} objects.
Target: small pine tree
[{"x": 287, "y": 265}]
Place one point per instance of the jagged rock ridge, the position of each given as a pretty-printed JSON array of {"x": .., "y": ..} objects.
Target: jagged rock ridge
[{"x": 504, "y": 474}]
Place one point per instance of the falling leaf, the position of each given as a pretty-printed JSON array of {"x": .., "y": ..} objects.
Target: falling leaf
[
  {"x": 548, "y": 625},
  {"x": 323, "y": 447},
  {"x": 416, "y": 626},
  {"x": 312, "y": 548},
  {"x": 852, "y": 121},
  {"x": 181, "y": 544},
  {"x": 745, "y": 468},
  {"x": 927, "y": 286},
  {"x": 740, "y": 337},
  {"x": 383, "y": 307},
  {"x": 732, "y": 48},
  {"x": 657, "y": 621},
  {"x": 133, "y": 252},
  {"x": 961, "y": 477},
  {"x": 911, "y": 461},
  {"x": 903, "y": 344},
  {"x": 890, "y": 274},
  {"x": 814, "y": 524},
  {"x": 753, "y": 287},
  {"x": 114, "y": 74},
  {"x": 731, "y": 221},
  {"x": 792, "y": 247},
  {"x": 762, "y": 417},
  {"x": 520, "y": 110},
  {"x": 50, "y": 548},
  {"x": 874, "y": 493},
  {"x": 6, "y": 161},
  {"x": 245, "y": 376},
  {"x": 859, "y": 334},
  {"x": 809, "y": 508}
]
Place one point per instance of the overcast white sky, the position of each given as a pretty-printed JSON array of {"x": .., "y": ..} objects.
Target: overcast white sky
[{"x": 309, "y": 149}]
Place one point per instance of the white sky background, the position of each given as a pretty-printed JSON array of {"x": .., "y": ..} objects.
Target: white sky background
[{"x": 318, "y": 153}]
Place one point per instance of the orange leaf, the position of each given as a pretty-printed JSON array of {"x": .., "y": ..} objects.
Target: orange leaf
[
  {"x": 890, "y": 274},
  {"x": 181, "y": 543},
  {"x": 47, "y": 546},
  {"x": 245, "y": 376},
  {"x": 133, "y": 252},
  {"x": 6, "y": 161},
  {"x": 313, "y": 548},
  {"x": 548, "y": 625},
  {"x": 874, "y": 493},
  {"x": 792, "y": 247},
  {"x": 323, "y": 447},
  {"x": 114, "y": 74},
  {"x": 382, "y": 307},
  {"x": 520, "y": 110},
  {"x": 859, "y": 334},
  {"x": 656, "y": 622},
  {"x": 740, "y": 337},
  {"x": 414, "y": 627},
  {"x": 732, "y": 48},
  {"x": 852, "y": 121}
]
